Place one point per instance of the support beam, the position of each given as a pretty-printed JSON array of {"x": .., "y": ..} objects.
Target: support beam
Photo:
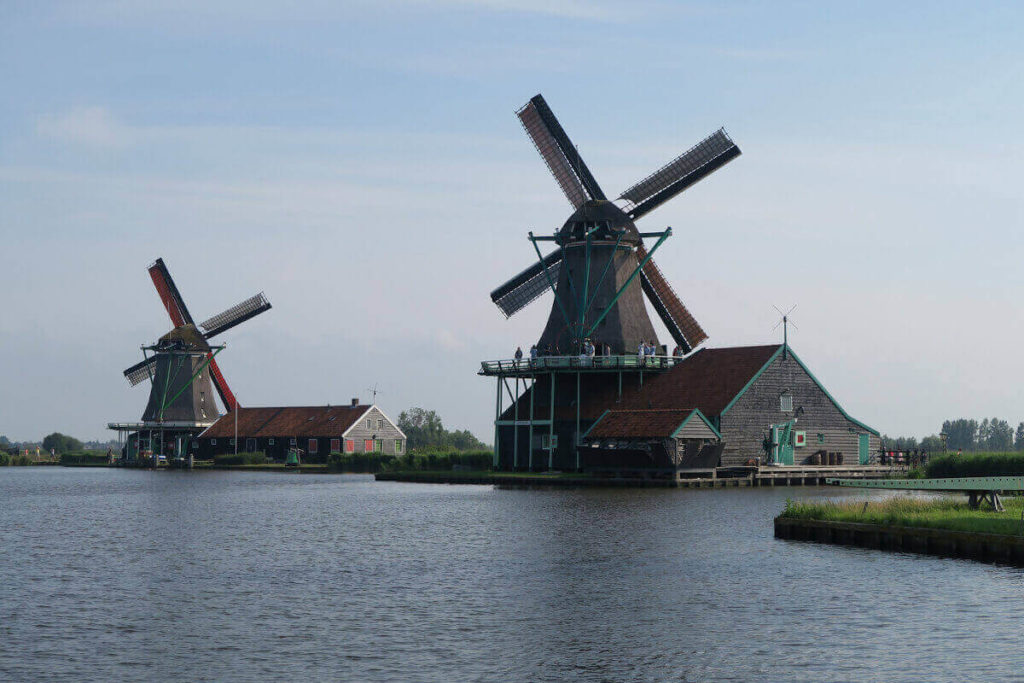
[
  {"x": 547, "y": 275},
  {"x": 497, "y": 416},
  {"x": 576, "y": 439},
  {"x": 551, "y": 426},
  {"x": 515, "y": 429},
  {"x": 636, "y": 271},
  {"x": 533, "y": 387}
]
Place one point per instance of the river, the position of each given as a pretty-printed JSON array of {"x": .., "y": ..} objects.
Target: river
[{"x": 223, "y": 576}]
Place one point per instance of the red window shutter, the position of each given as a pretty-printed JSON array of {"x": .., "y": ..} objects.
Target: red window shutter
[
  {"x": 350, "y": 446},
  {"x": 313, "y": 443},
  {"x": 335, "y": 445},
  {"x": 368, "y": 445}
]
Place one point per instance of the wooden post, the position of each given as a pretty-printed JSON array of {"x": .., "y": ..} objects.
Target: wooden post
[
  {"x": 497, "y": 416},
  {"x": 551, "y": 425},
  {"x": 529, "y": 459}
]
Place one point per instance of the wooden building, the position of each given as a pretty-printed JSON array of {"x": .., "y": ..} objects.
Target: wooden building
[
  {"x": 669, "y": 440},
  {"x": 317, "y": 431},
  {"x": 752, "y": 396}
]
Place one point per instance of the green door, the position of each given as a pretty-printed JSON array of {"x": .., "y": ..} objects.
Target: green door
[
  {"x": 782, "y": 436},
  {"x": 863, "y": 449}
]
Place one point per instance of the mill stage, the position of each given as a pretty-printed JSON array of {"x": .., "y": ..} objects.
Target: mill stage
[{"x": 593, "y": 396}]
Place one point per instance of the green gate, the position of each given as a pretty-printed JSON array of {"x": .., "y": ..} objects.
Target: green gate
[{"x": 864, "y": 449}]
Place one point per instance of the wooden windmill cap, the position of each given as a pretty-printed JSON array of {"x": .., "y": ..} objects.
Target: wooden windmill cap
[{"x": 603, "y": 214}]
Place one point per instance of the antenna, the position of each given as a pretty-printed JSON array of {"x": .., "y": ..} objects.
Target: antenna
[
  {"x": 374, "y": 390},
  {"x": 785, "y": 322}
]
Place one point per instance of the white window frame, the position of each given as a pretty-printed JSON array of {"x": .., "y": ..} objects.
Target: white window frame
[{"x": 784, "y": 398}]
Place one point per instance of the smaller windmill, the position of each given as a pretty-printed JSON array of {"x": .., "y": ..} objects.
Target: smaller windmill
[{"x": 183, "y": 365}]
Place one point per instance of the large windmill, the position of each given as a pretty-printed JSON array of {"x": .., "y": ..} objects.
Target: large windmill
[
  {"x": 600, "y": 255},
  {"x": 183, "y": 366},
  {"x": 599, "y": 272}
]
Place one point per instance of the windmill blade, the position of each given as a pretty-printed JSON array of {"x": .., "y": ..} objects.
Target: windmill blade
[
  {"x": 141, "y": 371},
  {"x": 226, "y": 397},
  {"x": 681, "y": 324},
  {"x": 558, "y": 152},
  {"x": 169, "y": 294},
  {"x": 236, "y": 315},
  {"x": 515, "y": 294},
  {"x": 702, "y": 160}
]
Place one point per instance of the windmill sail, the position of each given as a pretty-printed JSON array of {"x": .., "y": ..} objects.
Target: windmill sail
[
  {"x": 697, "y": 163},
  {"x": 681, "y": 324},
  {"x": 558, "y": 152},
  {"x": 169, "y": 294},
  {"x": 141, "y": 371},
  {"x": 237, "y": 314},
  {"x": 518, "y": 292}
]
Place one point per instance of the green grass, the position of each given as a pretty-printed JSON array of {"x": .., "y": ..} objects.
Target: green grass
[{"x": 936, "y": 513}]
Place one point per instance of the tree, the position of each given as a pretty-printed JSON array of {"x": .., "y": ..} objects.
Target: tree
[
  {"x": 61, "y": 443},
  {"x": 962, "y": 434},
  {"x": 1000, "y": 436},
  {"x": 1018, "y": 440},
  {"x": 932, "y": 444},
  {"x": 424, "y": 429},
  {"x": 4, "y": 441}
]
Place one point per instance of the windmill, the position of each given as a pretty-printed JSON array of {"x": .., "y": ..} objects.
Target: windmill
[
  {"x": 600, "y": 255},
  {"x": 183, "y": 364}
]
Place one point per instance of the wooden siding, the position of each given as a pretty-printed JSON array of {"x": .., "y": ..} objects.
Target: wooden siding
[
  {"x": 746, "y": 423},
  {"x": 389, "y": 432},
  {"x": 696, "y": 429}
]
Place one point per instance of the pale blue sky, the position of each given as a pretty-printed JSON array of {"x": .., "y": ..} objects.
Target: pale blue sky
[{"x": 362, "y": 164}]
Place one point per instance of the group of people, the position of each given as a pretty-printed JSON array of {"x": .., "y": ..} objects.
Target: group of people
[{"x": 645, "y": 350}]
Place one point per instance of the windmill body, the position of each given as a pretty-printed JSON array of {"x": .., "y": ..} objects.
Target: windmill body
[
  {"x": 183, "y": 375},
  {"x": 600, "y": 272}
]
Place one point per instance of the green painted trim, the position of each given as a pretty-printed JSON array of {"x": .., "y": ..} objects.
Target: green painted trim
[
  {"x": 587, "y": 433},
  {"x": 751, "y": 382},
  {"x": 810, "y": 374},
  {"x": 521, "y": 423},
  {"x": 703, "y": 419}
]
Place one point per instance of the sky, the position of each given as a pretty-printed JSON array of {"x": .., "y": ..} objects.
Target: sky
[{"x": 361, "y": 163}]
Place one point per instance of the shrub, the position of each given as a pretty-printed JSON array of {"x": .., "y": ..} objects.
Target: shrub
[
  {"x": 368, "y": 463},
  {"x": 976, "y": 465},
  {"x": 84, "y": 458},
  {"x": 257, "y": 458},
  {"x": 442, "y": 461},
  {"x": 5, "y": 459}
]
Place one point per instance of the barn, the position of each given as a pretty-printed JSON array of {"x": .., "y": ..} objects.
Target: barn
[
  {"x": 316, "y": 430},
  {"x": 763, "y": 402}
]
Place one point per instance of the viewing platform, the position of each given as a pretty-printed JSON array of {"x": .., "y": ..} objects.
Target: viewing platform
[{"x": 528, "y": 367}]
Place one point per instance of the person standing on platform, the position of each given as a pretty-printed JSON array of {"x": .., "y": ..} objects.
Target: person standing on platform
[
  {"x": 641, "y": 352},
  {"x": 519, "y": 353}
]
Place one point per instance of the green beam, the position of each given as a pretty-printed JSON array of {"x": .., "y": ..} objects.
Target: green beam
[
  {"x": 636, "y": 271},
  {"x": 191, "y": 379},
  {"x": 533, "y": 240},
  {"x": 943, "y": 484}
]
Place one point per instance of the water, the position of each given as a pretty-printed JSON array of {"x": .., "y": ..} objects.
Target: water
[{"x": 133, "y": 575}]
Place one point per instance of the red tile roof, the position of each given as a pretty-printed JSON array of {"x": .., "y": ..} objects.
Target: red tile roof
[
  {"x": 708, "y": 380},
  {"x": 313, "y": 421},
  {"x": 657, "y": 423}
]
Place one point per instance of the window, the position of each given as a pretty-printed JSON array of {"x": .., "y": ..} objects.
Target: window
[
  {"x": 335, "y": 445},
  {"x": 369, "y": 424},
  {"x": 821, "y": 438},
  {"x": 398, "y": 445},
  {"x": 291, "y": 441},
  {"x": 368, "y": 445},
  {"x": 250, "y": 445},
  {"x": 232, "y": 442},
  {"x": 270, "y": 442},
  {"x": 786, "y": 402},
  {"x": 213, "y": 442},
  {"x": 380, "y": 424},
  {"x": 350, "y": 446},
  {"x": 378, "y": 446},
  {"x": 313, "y": 445}
]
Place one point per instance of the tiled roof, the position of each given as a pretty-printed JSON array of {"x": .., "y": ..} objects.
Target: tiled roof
[
  {"x": 708, "y": 380},
  {"x": 313, "y": 421},
  {"x": 654, "y": 423}
]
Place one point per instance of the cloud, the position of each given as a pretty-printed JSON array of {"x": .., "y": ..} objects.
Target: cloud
[{"x": 94, "y": 126}]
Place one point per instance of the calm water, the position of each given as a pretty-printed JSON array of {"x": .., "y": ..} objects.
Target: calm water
[{"x": 126, "y": 575}]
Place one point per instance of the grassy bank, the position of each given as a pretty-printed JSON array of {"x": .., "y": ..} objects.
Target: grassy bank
[{"x": 942, "y": 513}]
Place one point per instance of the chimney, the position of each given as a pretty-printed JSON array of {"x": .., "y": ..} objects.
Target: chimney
[{"x": 355, "y": 401}]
